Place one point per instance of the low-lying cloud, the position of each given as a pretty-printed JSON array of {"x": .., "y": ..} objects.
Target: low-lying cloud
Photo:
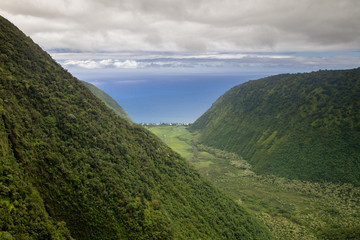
[
  {"x": 96, "y": 64},
  {"x": 248, "y": 61}
]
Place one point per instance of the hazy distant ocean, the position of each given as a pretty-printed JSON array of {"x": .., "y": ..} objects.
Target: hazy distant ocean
[{"x": 180, "y": 98}]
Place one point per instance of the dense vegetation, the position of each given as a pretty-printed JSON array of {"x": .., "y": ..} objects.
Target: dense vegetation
[
  {"x": 300, "y": 126},
  {"x": 71, "y": 168},
  {"x": 109, "y": 101},
  {"x": 291, "y": 209}
]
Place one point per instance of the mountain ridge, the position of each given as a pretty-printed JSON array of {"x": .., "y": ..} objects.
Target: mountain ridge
[
  {"x": 301, "y": 126},
  {"x": 108, "y": 100}
]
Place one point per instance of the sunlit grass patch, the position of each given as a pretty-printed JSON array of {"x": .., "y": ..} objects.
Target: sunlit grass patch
[
  {"x": 171, "y": 136},
  {"x": 203, "y": 164}
]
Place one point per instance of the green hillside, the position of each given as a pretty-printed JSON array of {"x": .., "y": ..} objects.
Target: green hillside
[
  {"x": 299, "y": 126},
  {"x": 71, "y": 168},
  {"x": 109, "y": 101},
  {"x": 291, "y": 209}
]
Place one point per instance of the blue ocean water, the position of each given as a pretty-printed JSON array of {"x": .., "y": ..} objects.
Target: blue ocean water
[
  {"x": 168, "y": 98},
  {"x": 165, "y": 95}
]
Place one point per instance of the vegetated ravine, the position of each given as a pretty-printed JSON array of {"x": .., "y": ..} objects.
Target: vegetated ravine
[
  {"x": 72, "y": 168},
  {"x": 300, "y": 126}
]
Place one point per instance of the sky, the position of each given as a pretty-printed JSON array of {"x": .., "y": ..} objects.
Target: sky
[{"x": 168, "y": 61}]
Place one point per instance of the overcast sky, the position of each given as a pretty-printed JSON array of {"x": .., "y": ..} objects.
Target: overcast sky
[
  {"x": 99, "y": 34},
  {"x": 189, "y": 25},
  {"x": 194, "y": 29}
]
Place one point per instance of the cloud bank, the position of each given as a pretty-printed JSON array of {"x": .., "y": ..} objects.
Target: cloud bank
[
  {"x": 188, "y": 25},
  {"x": 105, "y": 63},
  {"x": 227, "y": 60}
]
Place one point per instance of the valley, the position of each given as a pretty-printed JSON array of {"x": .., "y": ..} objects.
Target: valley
[
  {"x": 303, "y": 126},
  {"x": 73, "y": 167},
  {"x": 291, "y": 209},
  {"x": 276, "y": 157}
]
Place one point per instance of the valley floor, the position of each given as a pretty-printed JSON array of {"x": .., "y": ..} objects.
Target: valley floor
[{"x": 291, "y": 209}]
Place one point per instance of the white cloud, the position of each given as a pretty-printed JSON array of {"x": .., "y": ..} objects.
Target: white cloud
[
  {"x": 126, "y": 64},
  {"x": 83, "y": 64},
  {"x": 106, "y": 63}
]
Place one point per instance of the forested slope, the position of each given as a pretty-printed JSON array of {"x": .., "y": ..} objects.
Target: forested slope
[
  {"x": 109, "y": 101},
  {"x": 71, "y": 168},
  {"x": 301, "y": 126}
]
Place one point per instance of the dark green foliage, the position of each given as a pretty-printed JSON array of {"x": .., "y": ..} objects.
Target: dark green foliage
[
  {"x": 300, "y": 126},
  {"x": 70, "y": 167},
  {"x": 109, "y": 101},
  {"x": 339, "y": 234}
]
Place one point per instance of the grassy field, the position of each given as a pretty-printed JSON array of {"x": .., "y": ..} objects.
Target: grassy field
[
  {"x": 291, "y": 209},
  {"x": 176, "y": 137}
]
